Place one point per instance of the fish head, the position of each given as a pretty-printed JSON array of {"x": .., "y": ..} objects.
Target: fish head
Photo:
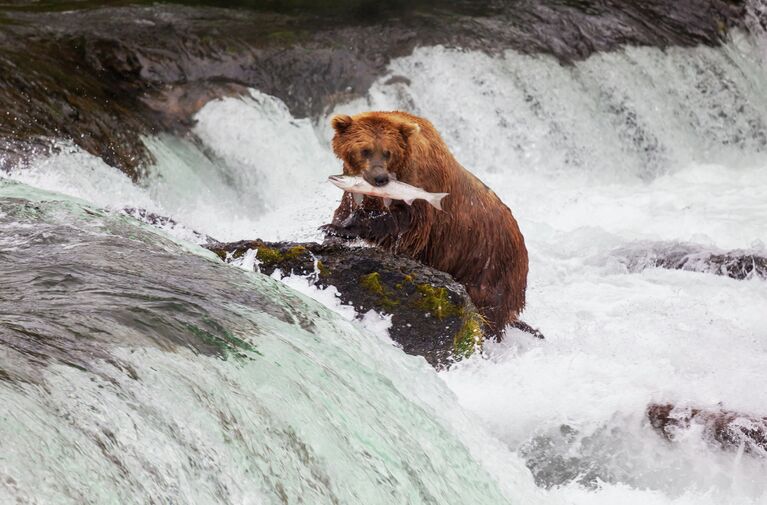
[
  {"x": 372, "y": 145},
  {"x": 345, "y": 182}
]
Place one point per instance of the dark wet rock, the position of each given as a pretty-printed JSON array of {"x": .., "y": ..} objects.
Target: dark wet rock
[
  {"x": 677, "y": 256},
  {"x": 724, "y": 428},
  {"x": 168, "y": 225},
  {"x": 431, "y": 314},
  {"x": 102, "y": 76},
  {"x": 734, "y": 264},
  {"x": 176, "y": 104},
  {"x": 564, "y": 455}
]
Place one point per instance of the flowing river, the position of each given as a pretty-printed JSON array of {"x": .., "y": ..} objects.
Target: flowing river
[{"x": 136, "y": 368}]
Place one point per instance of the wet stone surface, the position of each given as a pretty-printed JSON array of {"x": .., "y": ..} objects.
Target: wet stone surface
[
  {"x": 431, "y": 314},
  {"x": 736, "y": 264},
  {"x": 727, "y": 429},
  {"x": 103, "y": 75}
]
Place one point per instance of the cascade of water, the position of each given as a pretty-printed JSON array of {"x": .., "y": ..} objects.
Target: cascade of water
[
  {"x": 133, "y": 370},
  {"x": 626, "y": 148}
]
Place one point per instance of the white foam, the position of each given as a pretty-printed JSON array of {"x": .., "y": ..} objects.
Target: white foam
[
  {"x": 274, "y": 161},
  {"x": 373, "y": 322},
  {"x": 71, "y": 171},
  {"x": 630, "y": 146},
  {"x": 636, "y": 145}
]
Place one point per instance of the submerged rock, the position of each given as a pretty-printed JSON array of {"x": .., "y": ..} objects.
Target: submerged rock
[
  {"x": 725, "y": 428},
  {"x": 169, "y": 225},
  {"x": 676, "y": 256},
  {"x": 564, "y": 455},
  {"x": 431, "y": 314}
]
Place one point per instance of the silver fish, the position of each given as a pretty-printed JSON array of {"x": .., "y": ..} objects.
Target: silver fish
[{"x": 393, "y": 190}]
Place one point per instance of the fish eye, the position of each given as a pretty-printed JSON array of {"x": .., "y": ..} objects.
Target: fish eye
[
  {"x": 366, "y": 153},
  {"x": 387, "y": 155}
]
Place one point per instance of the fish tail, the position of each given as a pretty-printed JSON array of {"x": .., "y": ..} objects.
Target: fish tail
[{"x": 435, "y": 199}]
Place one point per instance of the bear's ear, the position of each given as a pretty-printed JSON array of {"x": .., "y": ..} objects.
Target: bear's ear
[
  {"x": 341, "y": 123},
  {"x": 409, "y": 129}
]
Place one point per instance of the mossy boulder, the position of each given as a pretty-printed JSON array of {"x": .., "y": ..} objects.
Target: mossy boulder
[{"x": 431, "y": 314}]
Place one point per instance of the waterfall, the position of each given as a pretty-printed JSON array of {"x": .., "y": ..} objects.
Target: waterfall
[{"x": 218, "y": 386}]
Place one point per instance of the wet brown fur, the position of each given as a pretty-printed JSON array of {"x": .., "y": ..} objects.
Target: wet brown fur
[{"x": 476, "y": 238}]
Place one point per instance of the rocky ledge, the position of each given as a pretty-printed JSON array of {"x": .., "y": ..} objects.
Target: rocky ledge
[
  {"x": 431, "y": 314},
  {"x": 725, "y": 428},
  {"x": 736, "y": 264},
  {"x": 103, "y": 74}
]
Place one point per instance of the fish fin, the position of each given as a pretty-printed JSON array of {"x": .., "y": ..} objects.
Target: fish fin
[
  {"x": 358, "y": 198},
  {"x": 435, "y": 199},
  {"x": 387, "y": 202},
  {"x": 410, "y": 201}
]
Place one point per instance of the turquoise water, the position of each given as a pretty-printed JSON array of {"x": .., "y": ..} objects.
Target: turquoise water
[
  {"x": 160, "y": 373},
  {"x": 133, "y": 371}
]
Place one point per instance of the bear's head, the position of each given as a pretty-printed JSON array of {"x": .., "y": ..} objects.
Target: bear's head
[{"x": 373, "y": 145}]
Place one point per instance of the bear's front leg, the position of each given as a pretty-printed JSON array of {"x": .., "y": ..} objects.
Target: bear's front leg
[
  {"x": 375, "y": 225},
  {"x": 368, "y": 225},
  {"x": 350, "y": 228}
]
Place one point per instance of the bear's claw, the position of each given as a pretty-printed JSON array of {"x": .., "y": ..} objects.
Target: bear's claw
[{"x": 334, "y": 230}]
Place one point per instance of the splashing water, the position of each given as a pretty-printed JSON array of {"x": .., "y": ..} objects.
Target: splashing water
[
  {"x": 634, "y": 147},
  {"x": 134, "y": 371}
]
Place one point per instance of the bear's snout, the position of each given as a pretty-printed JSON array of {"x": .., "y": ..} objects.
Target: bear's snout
[
  {"x": 377, "y": 176},
  {"x": 381, "y": 180}
]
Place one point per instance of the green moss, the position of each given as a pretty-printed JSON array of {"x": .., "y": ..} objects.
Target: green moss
[
  {"x": 225, "y": 255},
  {"x": 469, "y": 337},
  {"x": 407, "y": 279},
  {"x": 269, "y": 255},
  {"x": 436, "y": 301},
  {"x": 372, "y": 282},
  {"x": 323, "y": 270},
  {"x": 272, "y": 256},
  {"x": 294, "y": 252}
]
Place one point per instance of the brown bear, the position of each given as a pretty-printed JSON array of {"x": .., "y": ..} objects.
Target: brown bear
[{"x": 475, "y": 238}]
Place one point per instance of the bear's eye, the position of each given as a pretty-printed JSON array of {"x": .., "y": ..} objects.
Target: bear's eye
[
  {"x": 366, "y": 153},
  {"x": 387, "y": 155}
]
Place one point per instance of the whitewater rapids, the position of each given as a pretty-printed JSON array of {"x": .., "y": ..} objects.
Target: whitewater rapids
[{"x": 619, "y": 152}]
